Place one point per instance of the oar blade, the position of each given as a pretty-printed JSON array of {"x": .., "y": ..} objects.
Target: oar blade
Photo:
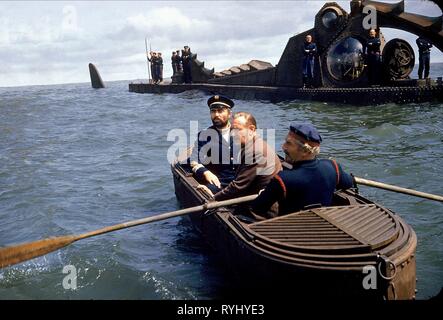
[
  {"x": 22, "y": 252},
  {"x": 26, "y": 251}
]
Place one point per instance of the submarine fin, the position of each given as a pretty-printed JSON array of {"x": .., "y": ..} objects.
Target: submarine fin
[{"x": 96, "y": 80}]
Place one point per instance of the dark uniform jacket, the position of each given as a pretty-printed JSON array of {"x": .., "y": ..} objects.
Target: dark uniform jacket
[
  {"x": 210, "y": 141},
  {"x": 258, "y": 165},
  {"x": 373, "y": 46},
  {"x": 186, "y": 57},
  {"x": 424, "y": 46},
  {"x": 153, "y": 60},
  {"x": 307, "y": 183},
  {"x": 309, "y": 50}
]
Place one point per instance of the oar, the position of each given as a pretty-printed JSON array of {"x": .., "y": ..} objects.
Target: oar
[
  {"x": 390, "y": 187},
  {"x": 385, "y": 186},
  {"x": 26, "y": 251}
]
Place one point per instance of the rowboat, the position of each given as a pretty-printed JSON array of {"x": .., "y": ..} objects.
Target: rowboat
[{"x": 353, "y": 249}]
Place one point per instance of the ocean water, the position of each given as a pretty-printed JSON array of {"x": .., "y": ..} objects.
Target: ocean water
[{"x": 74, "y": 159}]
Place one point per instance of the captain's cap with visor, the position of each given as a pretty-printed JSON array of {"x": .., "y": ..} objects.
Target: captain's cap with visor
[{"x": 219, "y": 101}]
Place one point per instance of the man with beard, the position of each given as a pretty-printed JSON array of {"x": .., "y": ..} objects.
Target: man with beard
[
  {"x": 213, "y": 158},
  {"x": 258, "y": 163},
  {"x": 310, "y": 181}
]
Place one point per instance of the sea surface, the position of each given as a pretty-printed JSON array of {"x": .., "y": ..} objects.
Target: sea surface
[{"x": 75, "y": 159}]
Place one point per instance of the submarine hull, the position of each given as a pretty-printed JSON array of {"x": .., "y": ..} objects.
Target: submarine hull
[{"x": 372, "y": 95}]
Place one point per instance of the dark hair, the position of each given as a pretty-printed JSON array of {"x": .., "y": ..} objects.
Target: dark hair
[{"x": 250, "y": 120}]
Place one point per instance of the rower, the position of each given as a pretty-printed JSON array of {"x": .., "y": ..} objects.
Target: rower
[{"x": 310, "y": 181}]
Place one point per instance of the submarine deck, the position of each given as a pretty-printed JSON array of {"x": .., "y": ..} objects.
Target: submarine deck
[{"x": 356, "y": 96}]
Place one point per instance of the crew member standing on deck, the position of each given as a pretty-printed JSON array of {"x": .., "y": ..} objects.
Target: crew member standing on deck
[
  {"x": 160, "y": 67},
  {"x": 373, "y": 57},
  {"x": 213, "y": 158},
  {"x": 152, "y": 60},
  {"x": 174, "y": 62},
  {"x": 309, "y": 52},
  {"x": 424, "y": 56},
  {"x": 187, "y": 64},
  {"x": 310, "y": 181},
  {"x": 179, "y": 61}
]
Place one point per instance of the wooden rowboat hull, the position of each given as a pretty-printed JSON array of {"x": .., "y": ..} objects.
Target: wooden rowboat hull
[{"x": 312, "y": 253}]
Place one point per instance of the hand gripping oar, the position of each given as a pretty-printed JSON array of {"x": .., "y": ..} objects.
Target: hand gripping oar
[
  {"x": 26, "y": 251},
  {"x": 389, "y": 187}
]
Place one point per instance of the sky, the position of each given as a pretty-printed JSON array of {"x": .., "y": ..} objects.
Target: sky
[{"x": 51, "y": 42}]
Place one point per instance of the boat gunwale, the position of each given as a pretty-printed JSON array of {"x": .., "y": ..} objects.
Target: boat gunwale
[{"x": 252, "y": 241}]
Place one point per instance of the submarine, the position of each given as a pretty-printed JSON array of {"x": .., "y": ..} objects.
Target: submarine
[{"x": 340, "y": 72}]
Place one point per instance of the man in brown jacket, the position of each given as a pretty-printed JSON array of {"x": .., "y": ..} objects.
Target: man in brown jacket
[{"x": 258, "y": 161}]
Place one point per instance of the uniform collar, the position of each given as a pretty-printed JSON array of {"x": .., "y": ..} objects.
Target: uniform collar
[
  {"x": 219, "y": 130},
  {"x": 305, "y": 163}
]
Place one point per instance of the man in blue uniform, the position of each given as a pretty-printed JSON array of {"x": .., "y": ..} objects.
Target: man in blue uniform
[
  {"x": 424, "y": 56},
  {"x": 309, "y": 51},
  {"x": 373, "y": 57},
  {"x": 213, "y": 159},
  {"x": 174, "y": 63},
  {"x": 187, "y": 64},
  {"x": 153, "y": 61},
  {"x": 159, "y": 67},
  {"x": 178, "y": 60},
  {"x": 310, "y": 181}
]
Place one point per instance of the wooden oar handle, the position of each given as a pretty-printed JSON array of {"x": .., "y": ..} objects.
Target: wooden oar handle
[
  {"x": 168, "y": 215},
  {"x": 26, "y": 251},
  {"x": 390, "y": 187},
  {"x": 230, "y": 202}
]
